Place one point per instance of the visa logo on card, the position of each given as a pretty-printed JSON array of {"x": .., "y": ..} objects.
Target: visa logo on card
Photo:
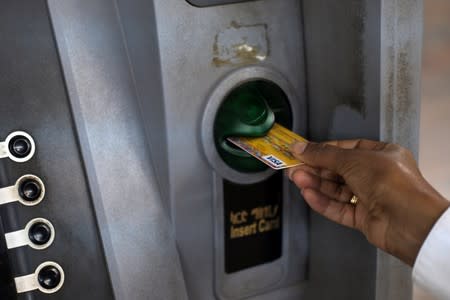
[
  {"x": 274, "y": 161},
  {"x": 272, "y": 149}
]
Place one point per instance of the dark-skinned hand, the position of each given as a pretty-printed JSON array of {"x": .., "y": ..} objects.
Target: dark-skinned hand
[{"x": 396, "y": 206}]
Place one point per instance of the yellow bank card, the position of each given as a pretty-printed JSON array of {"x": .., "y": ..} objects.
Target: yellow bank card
[{"x": 272, "y": 149}]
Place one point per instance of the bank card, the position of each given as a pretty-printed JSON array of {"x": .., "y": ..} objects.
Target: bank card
[{"x": 272, "y": 149}]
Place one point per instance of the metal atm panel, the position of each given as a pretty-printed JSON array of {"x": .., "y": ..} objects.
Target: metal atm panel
[
  {"x": 196, "y": 77},
  {"x": 122, "y": 97}
]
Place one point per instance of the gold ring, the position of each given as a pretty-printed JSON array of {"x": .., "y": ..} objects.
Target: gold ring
[{"x": 354, "y": 200}]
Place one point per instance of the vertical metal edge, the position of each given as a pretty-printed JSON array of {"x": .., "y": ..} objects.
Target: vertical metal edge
[
  {"x": 159, "y": 167},
  {"x": 305, "y": 124},
  {"x": 82, "y": 141},
  {"x": 401, "y": 56}
]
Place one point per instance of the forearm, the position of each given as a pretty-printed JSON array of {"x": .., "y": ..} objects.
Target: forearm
[{"x": 421, "y": 212}]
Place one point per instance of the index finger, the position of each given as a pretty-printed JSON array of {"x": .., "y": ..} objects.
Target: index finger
[{"x": 362, "y": 144}]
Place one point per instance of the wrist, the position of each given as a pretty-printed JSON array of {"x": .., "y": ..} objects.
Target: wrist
[{"x": 422, "y": 216}]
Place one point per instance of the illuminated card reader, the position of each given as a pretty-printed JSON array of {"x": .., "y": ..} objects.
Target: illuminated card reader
[
  {"x": 255, "y": 216},
  {"x": 252, "y": 213},
  {"x": 251, "y": 109}
]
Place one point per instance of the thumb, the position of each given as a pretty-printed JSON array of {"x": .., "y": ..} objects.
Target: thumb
[{"x": 321, "y": 155}]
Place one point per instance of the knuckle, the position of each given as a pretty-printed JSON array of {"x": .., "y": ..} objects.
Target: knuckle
[
  {"x": 347, "y": 167},
  {"x": 359, "y": 142},
  {"x": 317, "y": 151},
  {"x": 338, "y": 191},
  {"x": 399, "y": 151},
  {"x": 381, "y": 146},
  {"x": 406, "y": 153},
  {"x": 322, "y": 185},
  {"x": 398, "y": 158}
]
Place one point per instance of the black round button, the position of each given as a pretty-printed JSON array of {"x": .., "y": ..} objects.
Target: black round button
[
  {"x": 39, "y": 233},
  {"x": 20, "y": 146},
  {"x": 49, "y": 277},
  {"x": 30, "y": 190}
]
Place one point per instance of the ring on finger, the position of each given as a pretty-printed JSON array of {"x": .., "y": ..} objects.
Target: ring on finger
[{"x": 354, "y": 200}]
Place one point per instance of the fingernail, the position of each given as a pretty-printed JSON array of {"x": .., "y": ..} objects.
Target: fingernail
[{"x": 298, "y": 148}]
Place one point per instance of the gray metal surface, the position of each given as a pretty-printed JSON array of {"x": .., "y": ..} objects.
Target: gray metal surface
[
  {"x": 34, "y": 99},
  {"x": 192, "y": 66},
  {"x": 143, "y": 76},
  {"x": 343, "y": 64},
  {"x": 364, "y": 80},
  {"x": 400, "y": 61},
  {"x": 138, "y": 240}
]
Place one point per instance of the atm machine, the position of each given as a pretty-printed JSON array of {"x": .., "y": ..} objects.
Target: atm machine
[{"x": 116, "y": 178}]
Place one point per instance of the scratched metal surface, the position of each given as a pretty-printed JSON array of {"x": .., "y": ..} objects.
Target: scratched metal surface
[
  {"x": 198, "y": 49},
  {"x": 401, "y": 59},
  {"x": 139, "y": 74},
  {"x": 138, "y": 240}
]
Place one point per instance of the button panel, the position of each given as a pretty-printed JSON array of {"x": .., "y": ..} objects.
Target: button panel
[{"x": 39, "y": 145}]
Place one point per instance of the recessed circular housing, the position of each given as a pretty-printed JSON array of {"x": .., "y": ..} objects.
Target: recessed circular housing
[
  {"x": 31, "y": 190},
  {"x": 41, "y": 233},
  {"x": 269, "y": 84},
  {"x": 249, "y": 110},
  {"x": 50, "y": 277},
  {"x": 20, "y": 146}
]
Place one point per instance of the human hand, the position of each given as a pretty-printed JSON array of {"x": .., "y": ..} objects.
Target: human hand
[{"x": 397, "y": 207}]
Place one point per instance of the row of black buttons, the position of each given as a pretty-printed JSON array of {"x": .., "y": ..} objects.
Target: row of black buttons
[{"x": 20, "y": 147}]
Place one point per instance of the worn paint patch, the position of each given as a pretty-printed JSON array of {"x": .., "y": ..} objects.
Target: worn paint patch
[
  {"x": 241, "y": 45},
  {"x": 404, "y": 80},
  {"x": 341, "y": 127},
  {"x": 338, "y": 67},
  {"x": 352, "y": 93},
  {"x": 399, "y": 106}
]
